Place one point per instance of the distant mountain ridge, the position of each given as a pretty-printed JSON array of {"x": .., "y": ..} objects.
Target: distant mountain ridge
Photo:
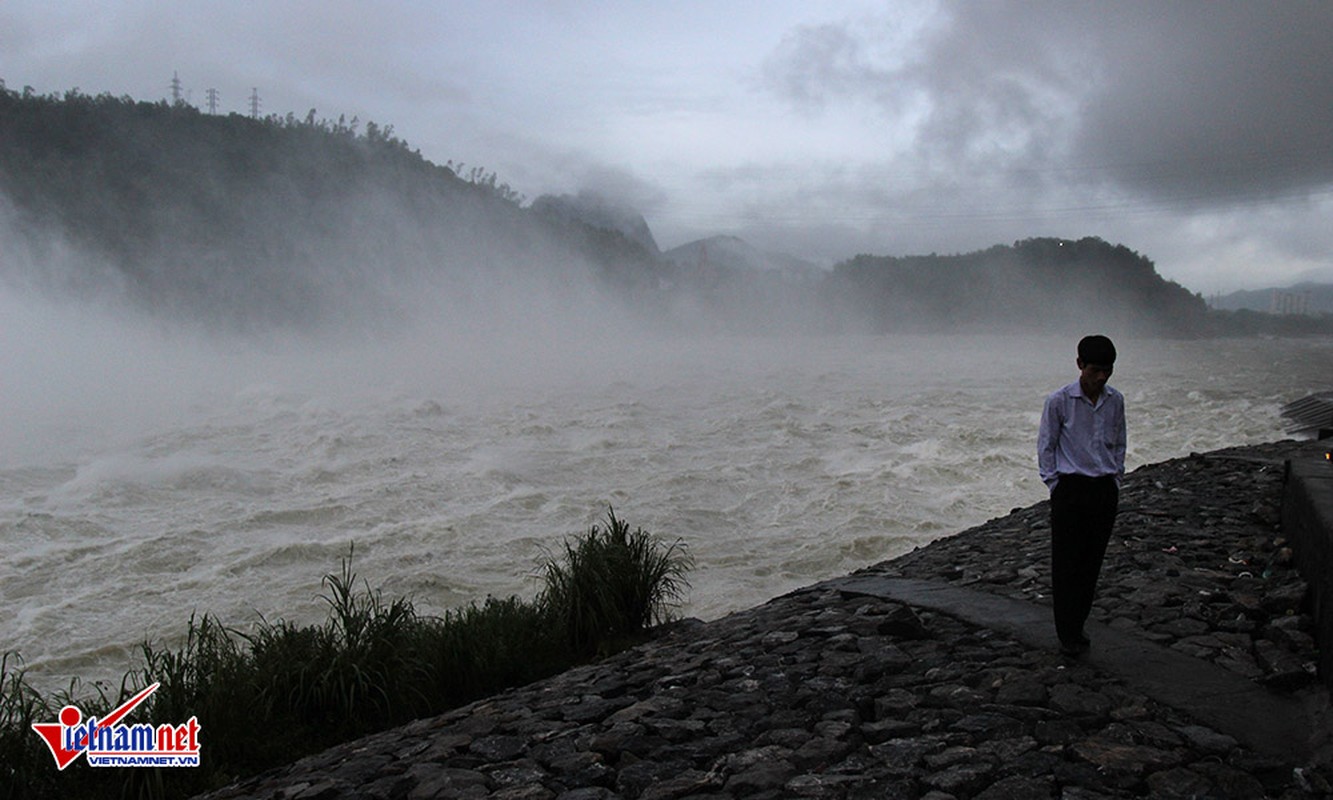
[
  {"x": 1044, "y": 283},
  {"x": 731, "y": 252},
  {"x": 252, "y": 223},
  {"x": 598, "y": 212},
  {"x": 1306, "y": 297}
]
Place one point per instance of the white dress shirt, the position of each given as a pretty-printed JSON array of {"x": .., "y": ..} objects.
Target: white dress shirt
[{"x": 1079, "y": 437}]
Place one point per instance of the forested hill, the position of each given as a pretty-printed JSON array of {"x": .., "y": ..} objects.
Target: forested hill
[
  {"x": 1036, "y": 283},
  {"x": 260, "y": 221},
  {"x": 294, "y": 221}
]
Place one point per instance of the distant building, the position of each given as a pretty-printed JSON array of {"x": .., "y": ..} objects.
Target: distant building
[{"x": 1289, "y": 303}]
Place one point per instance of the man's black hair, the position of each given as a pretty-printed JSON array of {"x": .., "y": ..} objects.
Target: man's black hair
[{"x": 1096, "y": 349}]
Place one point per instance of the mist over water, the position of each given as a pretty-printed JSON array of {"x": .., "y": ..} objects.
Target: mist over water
[
  {"x": 215, "y": 384},
  {"x": 151, "y": 469}
]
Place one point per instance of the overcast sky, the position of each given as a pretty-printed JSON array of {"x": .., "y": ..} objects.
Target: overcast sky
[{"x": 1197, "y": 133}]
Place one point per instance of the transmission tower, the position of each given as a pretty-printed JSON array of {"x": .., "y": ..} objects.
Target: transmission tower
[
  {"x": 254, "y": 103},
  {"x": 212, "y": 95},
  {"x": 175, "y": 88}
]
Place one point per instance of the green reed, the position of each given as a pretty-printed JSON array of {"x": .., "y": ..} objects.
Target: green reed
[{"x": 268, "y": 695}]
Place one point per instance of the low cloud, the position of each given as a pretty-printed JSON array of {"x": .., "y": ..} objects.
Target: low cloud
[{"x": 1184, "y": 105}]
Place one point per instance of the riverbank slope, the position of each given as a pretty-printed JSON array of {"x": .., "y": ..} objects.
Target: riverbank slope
[{"x": 1200, "y": 681}]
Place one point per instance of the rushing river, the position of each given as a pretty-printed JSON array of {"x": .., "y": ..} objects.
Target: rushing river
[{"x": 137, "y": 489}]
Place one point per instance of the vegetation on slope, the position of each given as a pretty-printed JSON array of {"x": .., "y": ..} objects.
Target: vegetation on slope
[
  {"x": 270, "y": 695},
  {"x": 1036, "y": 283},
  {"x": 268, "y": 221}
]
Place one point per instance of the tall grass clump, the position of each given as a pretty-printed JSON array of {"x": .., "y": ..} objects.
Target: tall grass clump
[
  {"x": 22, "y": 762},
  {"x": 363, "y": 669},
  {"x": 277, "y": 691},
  {"x": 614, "y": 583}
]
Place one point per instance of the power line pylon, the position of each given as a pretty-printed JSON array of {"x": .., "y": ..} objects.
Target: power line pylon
[
  {"x": 212, "y": 95},
  {"x": 254, "y": 103},
  {"x": 175, "y": 88}
]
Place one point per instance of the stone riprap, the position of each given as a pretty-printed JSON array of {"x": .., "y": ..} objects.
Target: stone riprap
[
  {"x": 1198, "y": 562},
  {"x": 833, "y": 693}
]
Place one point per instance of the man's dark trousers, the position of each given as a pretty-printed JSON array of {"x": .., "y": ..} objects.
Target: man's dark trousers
[{"x": 1083, "y": 512}]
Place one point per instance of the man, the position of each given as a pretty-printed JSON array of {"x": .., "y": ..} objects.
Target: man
[{"x": 1081, "y": 456}]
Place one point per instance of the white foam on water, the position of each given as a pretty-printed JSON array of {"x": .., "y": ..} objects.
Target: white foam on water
[{"x": 779, "y": 462}]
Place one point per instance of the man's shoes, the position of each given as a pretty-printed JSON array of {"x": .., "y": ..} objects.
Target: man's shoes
[{"x": 1076, "y": 647}]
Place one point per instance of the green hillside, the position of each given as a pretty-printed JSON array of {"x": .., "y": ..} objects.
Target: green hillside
[
  {"x": 262, "y": 221},
  {"x": 1036, "y": 283}
]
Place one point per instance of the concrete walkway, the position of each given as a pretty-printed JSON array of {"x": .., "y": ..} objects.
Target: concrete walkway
[{"x": 1282, "y": 725}]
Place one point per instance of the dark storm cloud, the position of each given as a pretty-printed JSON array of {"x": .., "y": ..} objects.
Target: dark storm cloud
[
  {"x": 1183, "y": 105},
  {"x": 1217, "y": 101}
]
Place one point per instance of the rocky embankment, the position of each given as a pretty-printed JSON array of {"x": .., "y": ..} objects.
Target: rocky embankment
[
  {"x": 839, "y": 694},
  {"x": 1198, "y": 563}
]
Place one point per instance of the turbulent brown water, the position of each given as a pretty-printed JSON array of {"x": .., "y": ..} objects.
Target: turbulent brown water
[{"x": 144, "y": 483}]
